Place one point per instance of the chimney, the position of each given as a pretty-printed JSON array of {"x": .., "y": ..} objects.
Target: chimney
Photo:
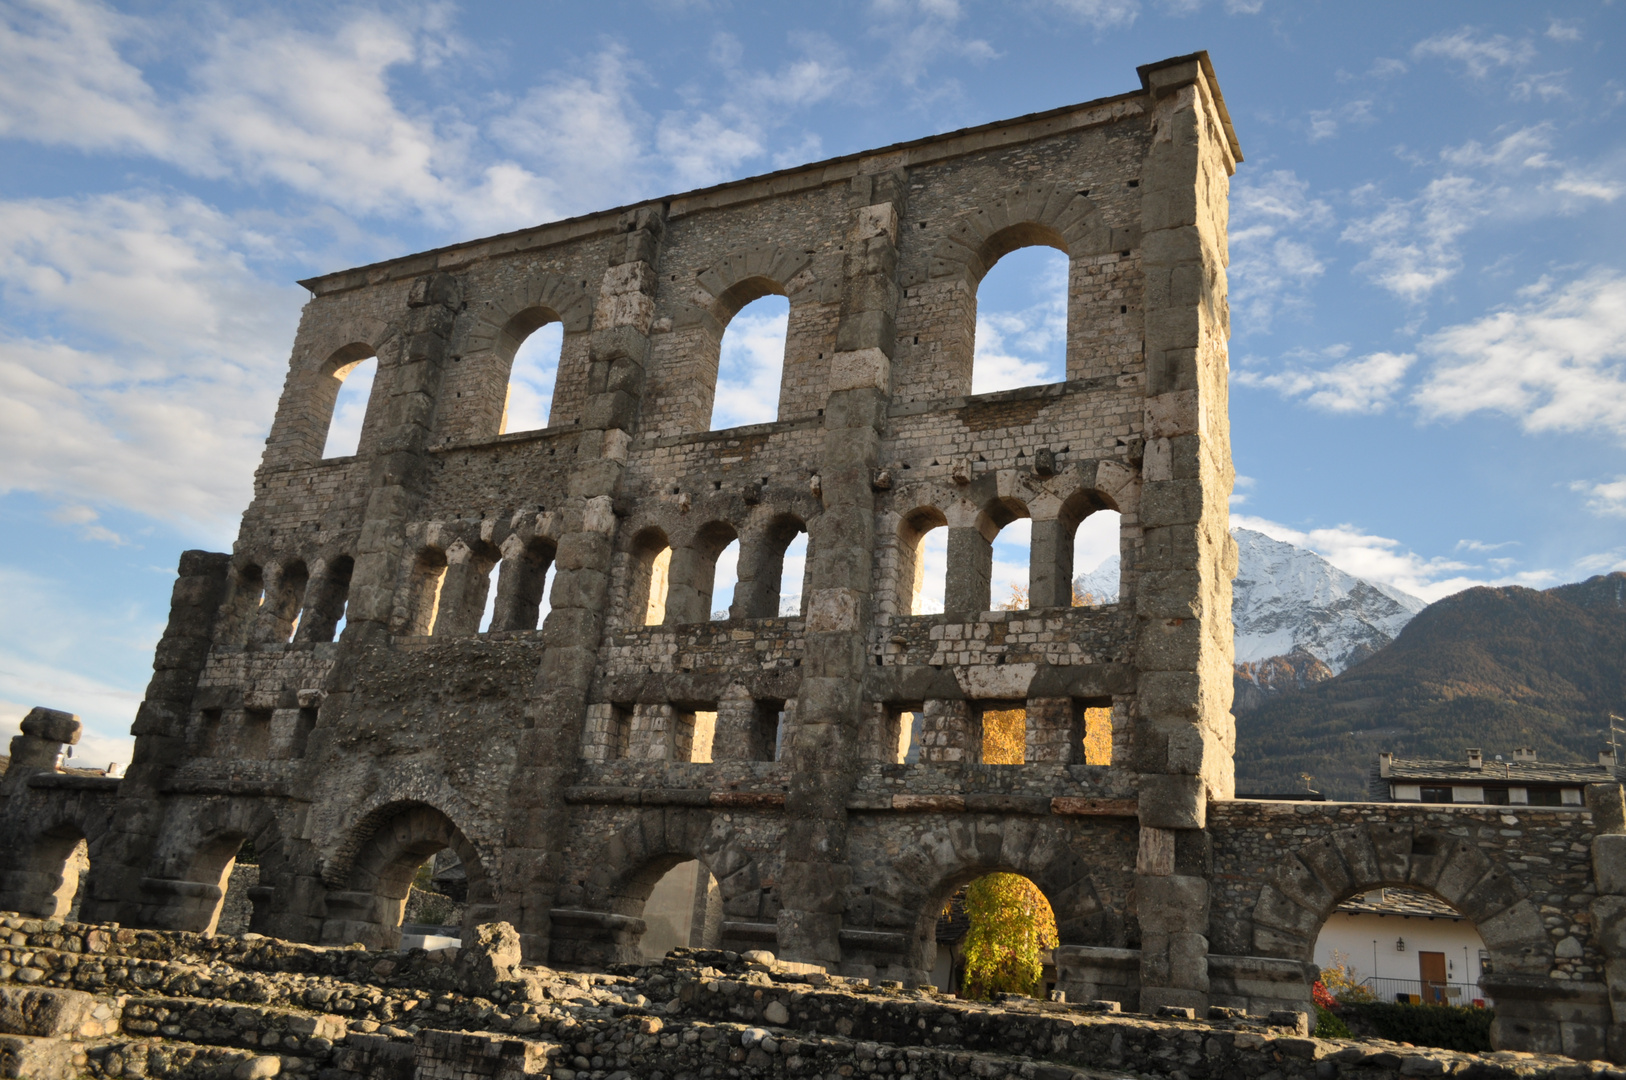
[
  {"x": 1606, "y": 757},
  {"x": 1386, "y": 763},
  {"x": 1476, "y": 760},
  {"x": 1524, "y": 753}
]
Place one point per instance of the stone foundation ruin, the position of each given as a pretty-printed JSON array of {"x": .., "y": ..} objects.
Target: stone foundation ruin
[{"x": 566, "y": 764}]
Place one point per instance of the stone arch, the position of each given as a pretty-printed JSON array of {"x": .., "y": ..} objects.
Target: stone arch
[
  {"x": 478, "y": 387},
  {"x": 285, "y": 588},
  {"x": 522, "y": 577},
  {"x": 646, "y": 562},
  {"x": 370, "y": 876},
  {"x": 694, "y": 569},
  {"x": 190, "y": 867},
  {"x": 418, "y": 609},
  {"x": 320, "y": 365},
  {"x": 949, "y": 854},
  {"x": 608, "y": 926},
  {"x": 1051, "y": 215},
  {"x": 1055, "y": 523},
  {"x": 1302, "y": 889},
  {"x": 34, "y": 880},
  {"x": 763, "y": 544},
  {"x": 685, "y": 378},
  {"x": 912, "y": 528},
  {"x": 326, "y": 596},
  {"x": 245, "y": 591}
]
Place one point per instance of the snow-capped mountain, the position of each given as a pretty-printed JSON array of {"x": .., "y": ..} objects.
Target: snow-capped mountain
[
  {"x": 1286, "y": 599},
  {"x": 1298, "y": 617}
]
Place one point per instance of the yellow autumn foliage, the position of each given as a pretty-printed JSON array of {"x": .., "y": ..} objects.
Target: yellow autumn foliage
[{"x": 1011, "y": 925}]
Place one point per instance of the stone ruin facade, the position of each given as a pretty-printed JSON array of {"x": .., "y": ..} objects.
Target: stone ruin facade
[{"x": 564, "y": 763}]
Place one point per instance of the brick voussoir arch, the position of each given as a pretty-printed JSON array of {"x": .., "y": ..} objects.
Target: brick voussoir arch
[
  {"x": 1301, "y": 891},
  {"x": 741, "y": 276},
  {"x": 527, "y": 306},
  {"x": 1046, "y": 214},
  {"x": 955, "y": 853},
  {"x": 661, "y": 840}
]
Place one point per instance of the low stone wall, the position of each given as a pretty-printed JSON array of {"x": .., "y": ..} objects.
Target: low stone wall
[{"x": 106, "y": 1002}]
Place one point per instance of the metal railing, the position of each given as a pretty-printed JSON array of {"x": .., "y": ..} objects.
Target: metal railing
[{"x": 1417, "y": 992}]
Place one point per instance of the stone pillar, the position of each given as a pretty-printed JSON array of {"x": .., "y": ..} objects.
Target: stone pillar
[
  {"x": 744, "y": 730},
  {"x": 949, "y": 734},
  {"x": 1608, "y": 909},
  {"x": 688, "y": 590},
  {"x": 823, "y": 753},
  {"x": 1050, "y": 568},
  {"x": 550, "y": 745},
  {"x": 1184, "y": 735},
  {"x": 1055, "y": 731},
  {"x": 462, "y": 593},
  {"x": 970, "y": 572},
  {"x": 114, "y": 890},
  {"x": 46, "y": 733}
]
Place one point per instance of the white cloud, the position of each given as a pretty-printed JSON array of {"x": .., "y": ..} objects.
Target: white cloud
[
  {"x": 1606, "y": 497},
  {"x": 1101, "y": 14},
  {"x": 1273, "y": 265},
  {"x": 1558, "y": 363},
  {"x": 1560, "y": 30},
  {"x": 160, "y": 397},
  {"x": 87, "y": 518},
  {"x": 1526, "y": 148},
  {"x": 1366, "y": 384},
  {"x": 1412, "y": 243},
  {"x": 1380, "y": 559},
  {"x": 1477, "y": 53},
  {"x": 64, "y": 83}
]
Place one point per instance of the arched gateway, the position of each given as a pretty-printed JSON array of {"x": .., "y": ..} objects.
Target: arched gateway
[{"x": 565, "y": 763}]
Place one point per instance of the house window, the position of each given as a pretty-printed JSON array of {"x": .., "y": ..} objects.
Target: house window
[
  {"x": 1546, "y": 797},
  {"x": 1436, "y": 794}
]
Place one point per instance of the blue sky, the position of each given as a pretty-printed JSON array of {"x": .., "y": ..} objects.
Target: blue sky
[{"x": 1428, "y": 248}]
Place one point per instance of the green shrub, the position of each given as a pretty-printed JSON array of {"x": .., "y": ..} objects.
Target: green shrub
[
  {"x": 1328, "y": 1026},
  {"x": 1449, "y": 1027}
]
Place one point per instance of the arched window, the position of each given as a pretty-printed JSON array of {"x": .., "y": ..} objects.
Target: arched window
[
  {"x": 532, "y": 376},
  {"x": 792, "y": 575},
  {"x": 922, "y": 562},
  {"x": 520, "y": 601},
  {"x": 969, "y": 586},
  {"x": 1095, "y": 559},
  {"x": 650, "y": 578},
  {"x": 242, "y": 605},
  {"x": 694, "y": 573},
  {"x": 772, "y": 563},
  {"x": 354, "y": 377},
  {"x": 325, "y": 601},
  {"x": 725, "y": 581},
  {"x": 278, "y": 616},
  {"x": 1008, "y": 572},
  {"x": 1022, "y": 320},
  {"x": 751, "y": 363},
  {"x": 423, "y": 592}
]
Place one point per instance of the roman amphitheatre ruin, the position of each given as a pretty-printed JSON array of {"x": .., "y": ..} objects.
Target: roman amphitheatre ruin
[{"x": 334, "y": 692}]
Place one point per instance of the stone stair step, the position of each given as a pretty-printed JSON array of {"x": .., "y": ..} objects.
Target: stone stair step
[{"x": 265, "y": 1028}]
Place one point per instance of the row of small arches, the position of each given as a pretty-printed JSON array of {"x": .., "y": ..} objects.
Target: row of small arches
[{"x": 751, "y": 355}]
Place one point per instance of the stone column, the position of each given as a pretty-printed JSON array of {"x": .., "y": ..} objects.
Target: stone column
[
  {"x": 114, "y": 892},
  {"x": 967, "y": 585},
  {"x": 462, "y": 593},
  {"x": 1055, "y": 730},
  {"x": 1050, "y": 573},
  {"x": 410, "y": 372},
  {"x": 824, "y": 750},
  {"x": 550, "y": 745},
  {"x": 1184, "y": 735}
]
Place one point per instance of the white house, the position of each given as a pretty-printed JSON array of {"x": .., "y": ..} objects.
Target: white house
[{"x": 1405, "y": 945}]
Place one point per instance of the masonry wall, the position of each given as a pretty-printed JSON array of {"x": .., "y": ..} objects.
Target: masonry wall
[{"x": 331, "y": 693}]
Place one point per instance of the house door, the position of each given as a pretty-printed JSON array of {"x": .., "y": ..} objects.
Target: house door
[{"x": 1431, "y": 970}]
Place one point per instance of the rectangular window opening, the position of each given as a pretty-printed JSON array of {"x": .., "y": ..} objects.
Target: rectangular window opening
[{"x": 1004, "y": 733}]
